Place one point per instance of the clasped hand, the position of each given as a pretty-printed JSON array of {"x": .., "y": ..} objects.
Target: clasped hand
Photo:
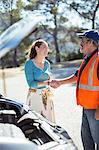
[{"x": 54, "y": 83}]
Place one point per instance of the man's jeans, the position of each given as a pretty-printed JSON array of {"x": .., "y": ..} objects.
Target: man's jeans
[{"x": 89, "y": 129}]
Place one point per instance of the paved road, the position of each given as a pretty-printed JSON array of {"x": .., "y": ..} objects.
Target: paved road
[{"x": 67, "y": 113}]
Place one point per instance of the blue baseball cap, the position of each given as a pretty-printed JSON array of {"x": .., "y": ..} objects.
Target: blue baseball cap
[{"x": 91, "y": 34}]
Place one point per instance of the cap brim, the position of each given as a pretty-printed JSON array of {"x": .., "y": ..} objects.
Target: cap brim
[{"x": 80, "y": 35}]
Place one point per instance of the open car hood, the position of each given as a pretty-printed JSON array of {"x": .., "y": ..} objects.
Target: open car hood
[{"x": 12, "y": 36}]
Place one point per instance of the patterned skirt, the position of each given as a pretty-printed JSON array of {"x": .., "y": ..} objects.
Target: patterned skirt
[{"x": 41, "y": 101}]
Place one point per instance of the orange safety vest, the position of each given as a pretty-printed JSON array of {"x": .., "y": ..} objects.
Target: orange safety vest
[{"x": 87, "y": 91}]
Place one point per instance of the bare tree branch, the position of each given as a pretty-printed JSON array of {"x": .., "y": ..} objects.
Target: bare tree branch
[{"x": 94, "y": 15}]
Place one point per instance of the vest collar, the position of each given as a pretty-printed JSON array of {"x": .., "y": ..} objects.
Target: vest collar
[{"x": 94, "y": 52}]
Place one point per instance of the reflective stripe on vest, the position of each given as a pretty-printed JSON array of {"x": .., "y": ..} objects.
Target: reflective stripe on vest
[{"x": 90, "y": 77}]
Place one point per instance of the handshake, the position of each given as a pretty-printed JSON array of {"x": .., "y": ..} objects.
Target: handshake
[{"x": 54, "y": 83}]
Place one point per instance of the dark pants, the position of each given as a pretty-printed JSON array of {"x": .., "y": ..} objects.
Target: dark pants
[{"x": 90, "y": 130}]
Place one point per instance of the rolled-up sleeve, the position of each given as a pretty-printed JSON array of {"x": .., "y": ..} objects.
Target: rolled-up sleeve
[
  {"x": 29, "y": 75},
  {"x": 76, "y": 73}
]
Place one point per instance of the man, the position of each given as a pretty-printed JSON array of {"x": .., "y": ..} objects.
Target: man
[{"x": 87, "y": 91}]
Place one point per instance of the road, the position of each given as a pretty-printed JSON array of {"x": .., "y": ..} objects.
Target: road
[{"x": 68, "y": 114}]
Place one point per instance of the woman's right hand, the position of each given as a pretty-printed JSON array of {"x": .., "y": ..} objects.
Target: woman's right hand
[{"x": 54, "y": 83}]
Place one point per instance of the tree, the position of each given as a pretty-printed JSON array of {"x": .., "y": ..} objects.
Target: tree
[
  {"x": 87, "y": 10},
  {"x": 54, "y": 21},
  {"x": 50, "y": 9},
  {"x": 55, "y": 28}
]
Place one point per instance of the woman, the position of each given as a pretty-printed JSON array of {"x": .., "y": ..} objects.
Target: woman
[{"x": 37, "y": 72}]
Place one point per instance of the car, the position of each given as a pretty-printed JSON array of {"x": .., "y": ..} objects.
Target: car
[{"x": 21, "y": 128}]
